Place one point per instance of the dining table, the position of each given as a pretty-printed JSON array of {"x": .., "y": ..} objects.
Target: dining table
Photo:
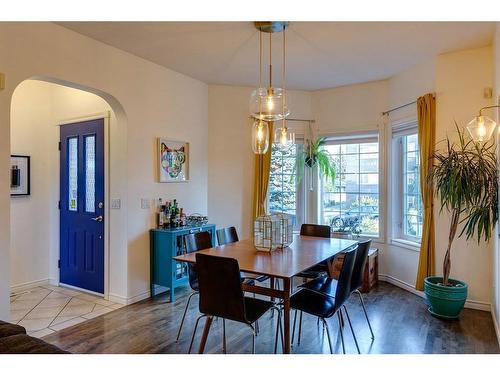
[{"x": 283, "y": 263}]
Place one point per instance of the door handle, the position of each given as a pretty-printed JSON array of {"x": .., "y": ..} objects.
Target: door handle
[{"x": 98, "y": 218}]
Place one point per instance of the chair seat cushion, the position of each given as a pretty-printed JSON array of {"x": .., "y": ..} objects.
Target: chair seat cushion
[
  {"x": 322, "y": 284},
  {"x": 24, "y": 344},
  {"x": 313, "y": 303},
  {"x": 255, "y": 308},
  {"x": 8, "y": 329}
]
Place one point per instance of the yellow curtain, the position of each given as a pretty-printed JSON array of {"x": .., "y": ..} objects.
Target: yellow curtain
[
  {"x": 261, "y": 180},
  {"x": 426, "y": 109}
]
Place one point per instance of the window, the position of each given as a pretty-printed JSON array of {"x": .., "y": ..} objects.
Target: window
[
  {"x": 284, "y": 195},
  {"x": 406, "y": 176},
  {"x": 353, "y": 199}
]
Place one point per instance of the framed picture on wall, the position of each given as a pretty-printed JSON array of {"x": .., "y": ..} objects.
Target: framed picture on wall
[
  {"x": 19, "y": 175},
  {"x": 173, "y": 161}
]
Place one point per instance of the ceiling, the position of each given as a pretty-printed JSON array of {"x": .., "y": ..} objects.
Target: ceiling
[{"x": 319, "y": 54}]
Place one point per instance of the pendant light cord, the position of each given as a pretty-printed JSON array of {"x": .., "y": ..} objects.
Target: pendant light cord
[
  {"x": 284, "y": 76},
  {"x": 270, "y": 61}
]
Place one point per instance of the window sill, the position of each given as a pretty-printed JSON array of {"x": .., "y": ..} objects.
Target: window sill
[{"x": 410, "y": 245}]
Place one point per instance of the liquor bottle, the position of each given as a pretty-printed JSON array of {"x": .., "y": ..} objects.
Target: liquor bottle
[
  {"x": 160, "y": 218},
  {"x": 166, "y": 214},
  {"x": 183, "y": 218}
]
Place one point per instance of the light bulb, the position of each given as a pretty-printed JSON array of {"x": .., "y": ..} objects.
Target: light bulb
[
  {"x": 481, "y": 130},
  {"x": 260, "y": 132},
  {"x": 283, "y": 137},
  {"x": 270, "y": 104}
]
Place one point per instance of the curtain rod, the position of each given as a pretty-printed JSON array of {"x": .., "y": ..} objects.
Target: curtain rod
[
  {"x": 401, "y": 106},
  {"x": 396, "y": 108}
]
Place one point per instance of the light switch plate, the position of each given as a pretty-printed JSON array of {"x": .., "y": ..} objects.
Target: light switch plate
[
  {"x": 116, "y": 203},
  {"x": 145, "y": 204}
]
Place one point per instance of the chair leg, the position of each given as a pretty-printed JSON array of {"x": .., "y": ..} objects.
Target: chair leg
[
  {"x": 341, "y": 333},
  {"x": 366, "y": 315},
  {"x": 184, "y": 315},
  {"x": 342, "y": 318},
  {"x": 352, "y": 330},
  {"x": 325, "y": 324},
  {"x": 253, "y": 338},
  {"x": 224, "y": 346},
  {"x": 300, "y": 328},
  {"x": 293, "y": 329},
  {"x": 278, "y": 332},
  {"x": 194, "y": 332}
]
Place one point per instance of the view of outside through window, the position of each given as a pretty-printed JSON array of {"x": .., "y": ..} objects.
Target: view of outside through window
[
  {"x": 352, "y": 202},
  {"x": 282, "y": 190},
  {"x": 412, "y": 200}
]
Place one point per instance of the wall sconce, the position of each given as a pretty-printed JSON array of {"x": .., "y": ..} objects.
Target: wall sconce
[{"x": 481, "y": 128}]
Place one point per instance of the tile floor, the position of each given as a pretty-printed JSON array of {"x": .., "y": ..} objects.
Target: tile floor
[{"x": 45, "y": 309}]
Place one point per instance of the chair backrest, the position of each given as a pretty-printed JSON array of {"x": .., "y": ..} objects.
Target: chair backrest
[
  {"x": 344, "y": 282},
  {"x": 194, "y": 242},
  {"x": 359, "y": 264},
  {"x": 227, "y": 235},
  {"x": 315, "y": 230},
  {"x": 220, "y": 287}
]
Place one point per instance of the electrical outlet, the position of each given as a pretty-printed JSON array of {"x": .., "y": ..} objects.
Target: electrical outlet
[
  {"x": 145, "y": 204},
  {"x": 116, "y": 203}
]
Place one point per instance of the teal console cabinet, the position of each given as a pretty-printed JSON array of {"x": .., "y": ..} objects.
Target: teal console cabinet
[{"x": 165, "y": 244}]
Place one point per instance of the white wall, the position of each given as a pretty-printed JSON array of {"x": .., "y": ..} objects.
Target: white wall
[
  {"x": 36, "y": 109},
  {"x": 148, "y": 100},
  {"x": 460, "y": 79},
  {"x": 495, "y": 298},
  {"x": 231, "y": 159},
  {"x": 31, "y": 117}
]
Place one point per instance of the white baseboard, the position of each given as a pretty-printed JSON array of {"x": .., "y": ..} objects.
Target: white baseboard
[
  {"x": 28, "y": 285},
  {"x": 402, "y": 284},
  {"x": 470, "y": 304},
  {"x": 495, "y": 323},
  {"x": 138, "y": 297}
]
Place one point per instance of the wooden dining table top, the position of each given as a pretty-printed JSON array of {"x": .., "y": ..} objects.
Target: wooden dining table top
[{"x": 303, "y": 253}]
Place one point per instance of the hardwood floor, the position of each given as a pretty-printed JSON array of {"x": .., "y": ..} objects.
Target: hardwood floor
[{"x": 399, "y": 319}]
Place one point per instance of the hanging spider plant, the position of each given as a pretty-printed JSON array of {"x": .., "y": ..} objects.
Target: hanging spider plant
[
  {"x": 314, "y": 156},
  {"x": 466, "y": 179}
]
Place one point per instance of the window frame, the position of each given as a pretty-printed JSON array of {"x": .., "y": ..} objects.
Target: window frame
[
  {"x": 373, "y": 136},
  {"x": 398, "y": 131},
  {"x": 300, "y": 193}
]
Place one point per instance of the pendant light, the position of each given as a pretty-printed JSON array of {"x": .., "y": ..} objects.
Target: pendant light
[
  {"x": 283, "y": 135},
  {"x": 260, "y": 127},
  {"x": 481, "y": 128},
  {"x": 268, "y": 104}
]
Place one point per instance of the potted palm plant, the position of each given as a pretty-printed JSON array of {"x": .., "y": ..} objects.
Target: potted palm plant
[
  {"x": 314, "y": 156},
  {"x": 465, "y": 177}
]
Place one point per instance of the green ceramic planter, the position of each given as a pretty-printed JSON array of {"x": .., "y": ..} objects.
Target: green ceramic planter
[{"x": 445, "y": 302}]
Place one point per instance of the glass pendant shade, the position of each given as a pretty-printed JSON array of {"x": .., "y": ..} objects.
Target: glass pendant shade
[
  {"x": 284, "y": 136},
  {"x": 269, "y": 104},
  {"x": 260, "y": 136},
  {"x": 481, "y": 128}
]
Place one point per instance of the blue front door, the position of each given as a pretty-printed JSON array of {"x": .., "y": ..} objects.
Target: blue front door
[{"x": 82, "y": 205}]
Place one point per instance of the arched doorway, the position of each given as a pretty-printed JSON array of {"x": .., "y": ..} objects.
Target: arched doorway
[{"x": 40, "y": 109}]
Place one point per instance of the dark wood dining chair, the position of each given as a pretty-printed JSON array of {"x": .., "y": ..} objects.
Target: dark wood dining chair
[
  {"x": 222, "y": 296},
  {"x": 193, "y": 242},
  {"x": 328, "y": 300},
  {"x": 357, "y": 276},
  {"x": 230, "y": 235},
  {"x": 227, "y": 235}
]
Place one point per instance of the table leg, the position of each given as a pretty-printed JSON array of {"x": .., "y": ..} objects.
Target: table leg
[
  {"x": 204, "y": 337},
  {"x": 286, "y": 315}
]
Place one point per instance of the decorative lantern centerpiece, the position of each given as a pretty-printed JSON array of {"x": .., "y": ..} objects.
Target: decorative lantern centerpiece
[{"x": 273, "y": 231}]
